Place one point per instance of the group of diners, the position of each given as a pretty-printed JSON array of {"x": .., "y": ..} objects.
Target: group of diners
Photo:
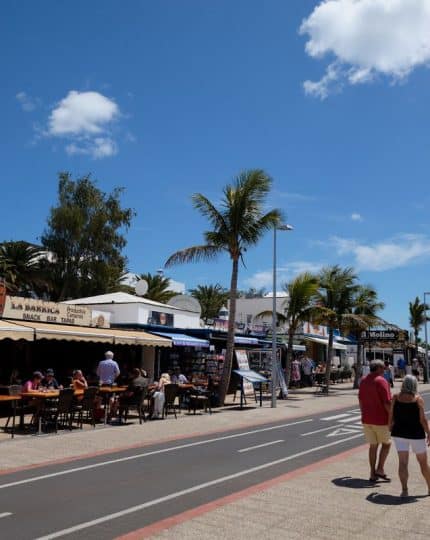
[{"x": 125, "y": 389}]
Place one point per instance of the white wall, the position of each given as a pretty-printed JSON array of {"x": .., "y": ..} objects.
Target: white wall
[{"x": 253, "y": 306}]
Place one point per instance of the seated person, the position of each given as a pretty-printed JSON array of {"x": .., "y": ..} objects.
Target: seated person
[
  {"x": 178, "y": 377},
  {"x": 50, "y": 382},
  {"x": 34, "y": 384},
  {"x": 136, "y": 384},
  {"x": 79, "y": 382}
]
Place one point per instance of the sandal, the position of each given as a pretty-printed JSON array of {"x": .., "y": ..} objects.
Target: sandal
[{"x": 383, "y": 477}]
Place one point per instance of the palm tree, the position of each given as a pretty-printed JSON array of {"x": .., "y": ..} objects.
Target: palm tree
[
  {"x": 158, "y": 288},
  {"x": 366, "y": 306},
  {"x": 334, "y": 305},
  {"x": 20, "y": 266},
  {"x": 237, "y": 224},
  {"x": 417, "y": 318},
  {"x": 211, "y": 299},
  {"x": 299, "y": 308}
]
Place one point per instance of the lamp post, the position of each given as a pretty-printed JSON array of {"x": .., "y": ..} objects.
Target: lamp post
[
  {"x": 282, "y": 227},
  {"x": 426, "y": 360}
]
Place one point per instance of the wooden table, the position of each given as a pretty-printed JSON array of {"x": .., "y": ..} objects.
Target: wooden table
[
  {"x": 13, "y": 400},
  {"x": 106, "y": 392}
]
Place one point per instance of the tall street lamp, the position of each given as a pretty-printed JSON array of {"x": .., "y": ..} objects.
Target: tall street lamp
[
  {"x": 282, "y": 227},
  {"x": 426, "y": 360}
]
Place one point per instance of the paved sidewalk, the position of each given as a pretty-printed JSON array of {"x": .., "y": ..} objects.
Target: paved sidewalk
[{"x": 332, "y": 499}]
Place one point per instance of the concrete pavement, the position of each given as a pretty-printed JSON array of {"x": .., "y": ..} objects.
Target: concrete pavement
[{"x": 331, "y": 499}]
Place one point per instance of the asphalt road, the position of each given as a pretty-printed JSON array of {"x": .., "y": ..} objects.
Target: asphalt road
[{"x": 106, "y": 496}]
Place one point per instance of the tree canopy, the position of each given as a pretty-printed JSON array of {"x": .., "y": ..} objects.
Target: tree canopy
[{"x": 85, "y": 238}]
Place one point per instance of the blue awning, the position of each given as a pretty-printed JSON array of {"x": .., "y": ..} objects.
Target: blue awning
[
  {"x": 242, "y": 340},
  {"x": 183, "y": 340},
  {"x": 249, "y": 375}
]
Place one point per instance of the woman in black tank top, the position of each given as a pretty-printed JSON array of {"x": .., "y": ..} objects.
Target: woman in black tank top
[{"x": 409, "y": 427}]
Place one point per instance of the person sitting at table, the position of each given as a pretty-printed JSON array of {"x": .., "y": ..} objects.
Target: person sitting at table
[
  {"x": 50, "y": 382},
  {"x": 33, "y": 384},
  {"x": 158, "y": 396},
  {"x": 79, "y": 382},
  {"x": 136, "y": 384},
  {"x": 178, "y": 377},
  {"x": 108, "y": 370}
]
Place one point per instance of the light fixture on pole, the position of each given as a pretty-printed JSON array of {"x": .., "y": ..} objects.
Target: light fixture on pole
[
  {"x": 426, "y": 360},
  {"x": 282, "y": 227}
]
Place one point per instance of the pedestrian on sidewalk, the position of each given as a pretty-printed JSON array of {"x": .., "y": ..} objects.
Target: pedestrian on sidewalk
[
  {"x": 409, "y": 428},
  {"x": 375, "y": 401}
]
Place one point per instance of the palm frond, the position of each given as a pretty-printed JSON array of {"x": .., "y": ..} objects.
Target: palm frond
[{"x": 193, "y": 254}]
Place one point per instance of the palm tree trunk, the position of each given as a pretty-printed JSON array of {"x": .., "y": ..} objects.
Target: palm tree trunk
[
  {"x": 329, "y": 358},
  {"x": 228, "y": 361}
]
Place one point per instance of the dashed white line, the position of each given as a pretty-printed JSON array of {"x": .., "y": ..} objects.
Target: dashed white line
[
  {"x": 318, "y": 430},
  {"x": 177, "y": 494},
  {"x": 152, "y": 453},
  {"x": 336, "y": 417},
  {"x": 260, "y": 445},
  {"x": 350, "y": 419}
]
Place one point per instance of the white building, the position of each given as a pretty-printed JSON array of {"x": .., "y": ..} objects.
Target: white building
[
  {"x": 247, "y": 310},
  {"x": 128, "y": 309}
]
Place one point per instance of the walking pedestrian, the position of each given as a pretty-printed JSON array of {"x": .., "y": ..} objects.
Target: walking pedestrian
[
  {"x": 375, "y": 400},
  {"x": 409, "y": 429}
]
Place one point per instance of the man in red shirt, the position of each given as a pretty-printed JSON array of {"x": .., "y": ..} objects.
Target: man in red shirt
[{"x": 375, "y": 398}]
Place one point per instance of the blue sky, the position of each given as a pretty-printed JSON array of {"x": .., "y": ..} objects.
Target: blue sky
[{"x": 173, "y": 97}]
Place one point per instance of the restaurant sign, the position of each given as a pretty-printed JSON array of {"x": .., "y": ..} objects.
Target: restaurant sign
[
  {"x": 28, "y": 309},
  {"x": 383, "y": 335}
]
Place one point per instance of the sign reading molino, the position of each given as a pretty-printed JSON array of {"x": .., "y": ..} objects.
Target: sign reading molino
[
  {"x": 28, "y": 309},
  {"x": 383, "y": 335}
]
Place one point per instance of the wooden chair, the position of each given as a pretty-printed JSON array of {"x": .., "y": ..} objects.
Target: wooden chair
[
  {"x": 85, "y": 407},
  {"x": 137, "y": 402}
]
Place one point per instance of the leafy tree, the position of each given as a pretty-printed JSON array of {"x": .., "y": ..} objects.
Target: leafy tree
[
  {"x": 21, "y": 267},
  {"x": 366, "y": 306},
  {"x": 334, "y": 305},
  {"x": 211, "y": 299},
  {"x": 84, "y": 235},
  {"x": 158, "y": 288},
  {"x": 237, "y": 224}
]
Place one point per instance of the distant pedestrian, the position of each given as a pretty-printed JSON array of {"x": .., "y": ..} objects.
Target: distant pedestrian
[
  {"x": 401, "y": 367},
  {"x": 375, "y": 399},
  {"x": 409, "y": 428},
  {"x": 295, "y": 372},
  {"x": 388, "y": 376},
  {"x": 308, "y": 370}
]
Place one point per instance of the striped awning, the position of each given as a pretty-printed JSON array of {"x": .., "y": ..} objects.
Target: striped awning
[
  {"x": 10, "y": 330},
  {"x": 83, "y": 333}
]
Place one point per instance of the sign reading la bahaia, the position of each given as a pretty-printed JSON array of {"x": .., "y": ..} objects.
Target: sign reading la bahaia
[{"x": 28, "y": 309}]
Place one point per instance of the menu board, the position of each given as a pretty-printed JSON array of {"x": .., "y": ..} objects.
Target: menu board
[{"x": 243, "y": 363}]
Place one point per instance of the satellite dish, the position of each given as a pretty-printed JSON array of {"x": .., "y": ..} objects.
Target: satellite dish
[
  {"x": 185, "y": 302},
  {"x": 141, "y": 287}
]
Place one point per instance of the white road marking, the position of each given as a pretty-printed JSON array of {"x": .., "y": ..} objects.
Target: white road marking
[
  {"x": 145, "y": 454},
  {"x": 350, "y": 419},
  {"x": 260, "y": 445},
  {"x": 317, "y": 431},
  {"x": 171, "y": 496},
  {"x": 355, "y": 426},
  {"x": 5, "y": 514},
  {"x": 341, "y": 431},
  {"x": 328, "y": 418},
  {"x": 354, "y": 411}
]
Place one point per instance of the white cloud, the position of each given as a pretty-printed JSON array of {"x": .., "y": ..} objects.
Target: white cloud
[
  {"x": 355, "y": 216},
  {"x": 84, "y": 119},
  {"x": 98, "y": 148},
  {"x": 393, "y": 253},
  {"x": 366, "y": 38},
  {"x": 264, "y": 278},
  {"x": 82, "y": 113},
  {"x": 27, "y": 103}
]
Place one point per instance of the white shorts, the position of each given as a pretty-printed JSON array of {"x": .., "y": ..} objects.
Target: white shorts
[{"x": 402, "y": 445}]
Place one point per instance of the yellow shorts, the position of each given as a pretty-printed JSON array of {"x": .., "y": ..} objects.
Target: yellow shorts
[{"x": 376, "y": 434}]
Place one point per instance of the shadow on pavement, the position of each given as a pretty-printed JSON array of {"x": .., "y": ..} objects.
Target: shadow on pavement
[
  {"x": 354, "y": 483},
  {"x": 392, "y": 500}
]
